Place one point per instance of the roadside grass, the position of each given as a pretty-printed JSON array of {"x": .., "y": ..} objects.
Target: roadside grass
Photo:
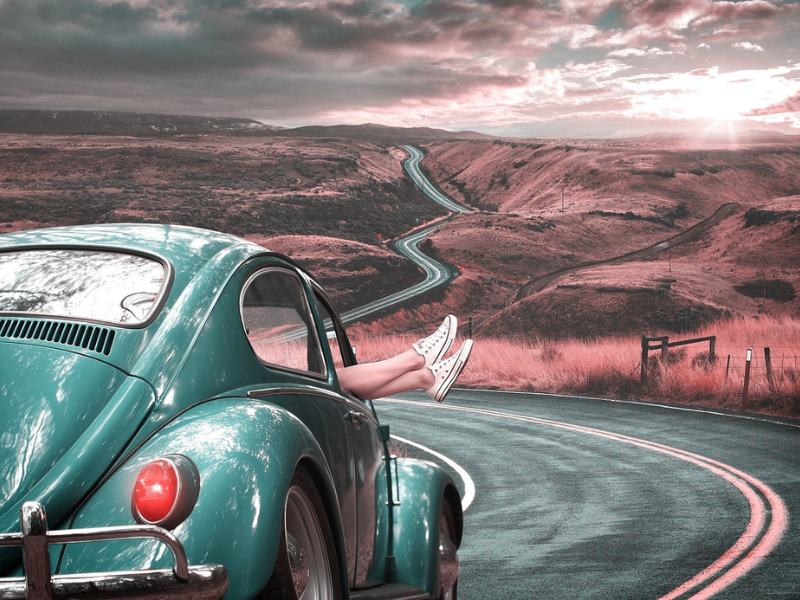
[{"x": 611, "y": 367}]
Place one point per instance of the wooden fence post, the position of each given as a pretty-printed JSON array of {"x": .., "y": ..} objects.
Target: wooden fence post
[
  {"x": 645, "y": 352},
  {"x": 768, "y": 363},
  {"x": 746, "y": 379},
  {"x": 664, "y": 350},
  {"x": 712, "y": 349}
]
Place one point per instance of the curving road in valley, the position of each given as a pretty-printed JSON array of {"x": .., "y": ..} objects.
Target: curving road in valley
[
  {"x": 412, "y": 168},
  {"x": 436, "y": 273},
  {"x": 585, "y": 498}
]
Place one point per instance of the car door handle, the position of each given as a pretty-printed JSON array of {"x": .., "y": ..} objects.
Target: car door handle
[{"x": 356, "y": 418}]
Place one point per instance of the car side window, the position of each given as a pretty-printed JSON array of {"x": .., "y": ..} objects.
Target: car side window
[{"x": 278, "y": 322}]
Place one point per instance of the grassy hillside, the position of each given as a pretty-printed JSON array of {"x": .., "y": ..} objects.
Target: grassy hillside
[
  {"x": 620, "y": 196},
  {"x": 324, "y": 199},
  {"x": 245, "y": 186}
]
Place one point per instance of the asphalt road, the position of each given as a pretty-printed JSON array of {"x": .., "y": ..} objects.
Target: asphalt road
[
  {"x": 688, "y": 235},
  {"x": 583, "y": 498},
  {"x": 436, "y": 273},
  {"x": 412, "y": 168}
]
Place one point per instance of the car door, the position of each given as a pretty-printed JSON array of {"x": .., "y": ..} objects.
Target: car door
[
  {"x": 284, "y": 334},
  {"x": 368, "y": 463}
]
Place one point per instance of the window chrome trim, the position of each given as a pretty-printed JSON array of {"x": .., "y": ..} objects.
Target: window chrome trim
[
  {"x": 349, "y": 401},
  {"x": 158, "y": 304},
  {"x": 306, "y": 306}
]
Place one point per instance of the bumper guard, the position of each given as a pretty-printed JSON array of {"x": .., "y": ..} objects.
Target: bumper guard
[{"x": 205, "y": 582}]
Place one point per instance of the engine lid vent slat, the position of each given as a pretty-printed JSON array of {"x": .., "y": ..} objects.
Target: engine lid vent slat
[{"x": 78, "y": 335}]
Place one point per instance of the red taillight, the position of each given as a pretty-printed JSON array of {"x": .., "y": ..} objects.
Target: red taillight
[
  {"x": 156, "y": 490},
  {"x": 165, "y": 491}
]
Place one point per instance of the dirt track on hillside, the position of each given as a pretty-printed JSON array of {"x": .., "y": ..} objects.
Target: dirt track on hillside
[{"x": 540, "y": 283}]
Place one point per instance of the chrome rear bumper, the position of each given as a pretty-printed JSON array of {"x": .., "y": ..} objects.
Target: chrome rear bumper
[{"x": 205, "y": 582}]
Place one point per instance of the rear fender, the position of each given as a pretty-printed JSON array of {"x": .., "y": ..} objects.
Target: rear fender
[
  {"x": 246, "y": 453},
  {"x": 422, "y": 488}
]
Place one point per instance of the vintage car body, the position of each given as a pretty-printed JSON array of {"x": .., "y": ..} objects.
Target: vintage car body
[{"x": 133, "y": 350}]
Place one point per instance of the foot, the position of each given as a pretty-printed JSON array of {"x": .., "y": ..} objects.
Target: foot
[
  {"x": 447, "y": 371},
  {"x": 435, "y": 346}
]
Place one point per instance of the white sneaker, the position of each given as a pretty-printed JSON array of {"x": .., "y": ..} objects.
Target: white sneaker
[
  {"x": 436, "y": 345},
  {"x": 447, "y": 371}
]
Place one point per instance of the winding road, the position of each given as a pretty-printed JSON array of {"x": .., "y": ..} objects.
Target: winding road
[
  {"x": 412, "y": 168},
  {"x": 692, "y": 233},
  {"x": 436, "y": 273},
  {"x": 585, "y": 498}
]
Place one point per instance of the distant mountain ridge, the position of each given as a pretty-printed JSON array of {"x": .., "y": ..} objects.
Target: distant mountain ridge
[
  {"x": 82, "y": 122},
  {"x": 79, "y": 122},
  {"x": 372, "y": 132}
]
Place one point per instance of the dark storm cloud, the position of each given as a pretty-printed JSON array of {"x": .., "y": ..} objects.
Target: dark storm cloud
[
  {"x": 687, "y": 13},
  {"x": 93, "y": 38},
  {"x": 171, "y": 41}
]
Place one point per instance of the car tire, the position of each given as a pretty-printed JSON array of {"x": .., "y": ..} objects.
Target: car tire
[
  {"x": 306, "y": 567},
  {"x": 448, "y": 556}
]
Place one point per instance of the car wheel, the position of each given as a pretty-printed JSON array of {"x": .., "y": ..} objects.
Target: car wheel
[
  {"x": 306, "y": 567},
  {"x": 448, "y": 552}
]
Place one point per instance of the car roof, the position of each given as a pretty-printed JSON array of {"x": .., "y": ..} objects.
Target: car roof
[{"x": 187, "y": 248}]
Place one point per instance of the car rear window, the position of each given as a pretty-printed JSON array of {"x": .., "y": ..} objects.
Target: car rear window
[{"x": 111, "y": 287}]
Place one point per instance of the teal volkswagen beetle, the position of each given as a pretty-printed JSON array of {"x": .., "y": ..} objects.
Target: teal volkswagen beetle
[{"x": 171, "y": 426}]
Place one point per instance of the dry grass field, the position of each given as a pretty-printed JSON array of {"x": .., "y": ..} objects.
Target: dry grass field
[{"x": 610, "y": 367}]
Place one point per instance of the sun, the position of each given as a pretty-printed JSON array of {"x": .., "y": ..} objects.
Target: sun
[
  {"x": 716, "y": 101},
  {"x": 708, "y": 97}
]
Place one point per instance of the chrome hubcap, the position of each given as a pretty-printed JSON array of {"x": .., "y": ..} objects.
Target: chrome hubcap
[
  {"x": 308, "y": 554},
  {"x": 298, "y": 564}
]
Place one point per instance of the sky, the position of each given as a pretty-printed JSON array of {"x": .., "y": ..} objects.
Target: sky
[{"x": 523, "y": 68}]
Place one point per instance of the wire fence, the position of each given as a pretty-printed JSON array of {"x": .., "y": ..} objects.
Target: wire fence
[{"x": 783, "y": 360}]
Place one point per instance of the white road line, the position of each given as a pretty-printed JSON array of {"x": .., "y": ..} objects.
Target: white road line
[
  {"x": 411, "y": 165},
  {"x": 675, "y": 407},
  {"x": 469, "y": 484}
]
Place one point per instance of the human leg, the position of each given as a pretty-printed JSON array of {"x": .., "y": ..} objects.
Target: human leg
[
  {"x": 418, "y": 379},
  {"x": 363, "y": 380},
  {"x": 367, "y": 379},
  {"x": 420, "y": 368}
]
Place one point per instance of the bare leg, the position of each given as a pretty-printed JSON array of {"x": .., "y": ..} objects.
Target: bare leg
[
  {"x": 421, "y": 379},
  {"x": 366, "y": 380}
]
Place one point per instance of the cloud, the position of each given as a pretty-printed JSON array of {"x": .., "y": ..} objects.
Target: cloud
[
  {"x": 748, "y": 46},
  {"x": 640, "y": 52},
  {"x": 469, "y": 61},
  {"x": 709, "y": 72},
  {"x": 787, "y": 105}
]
